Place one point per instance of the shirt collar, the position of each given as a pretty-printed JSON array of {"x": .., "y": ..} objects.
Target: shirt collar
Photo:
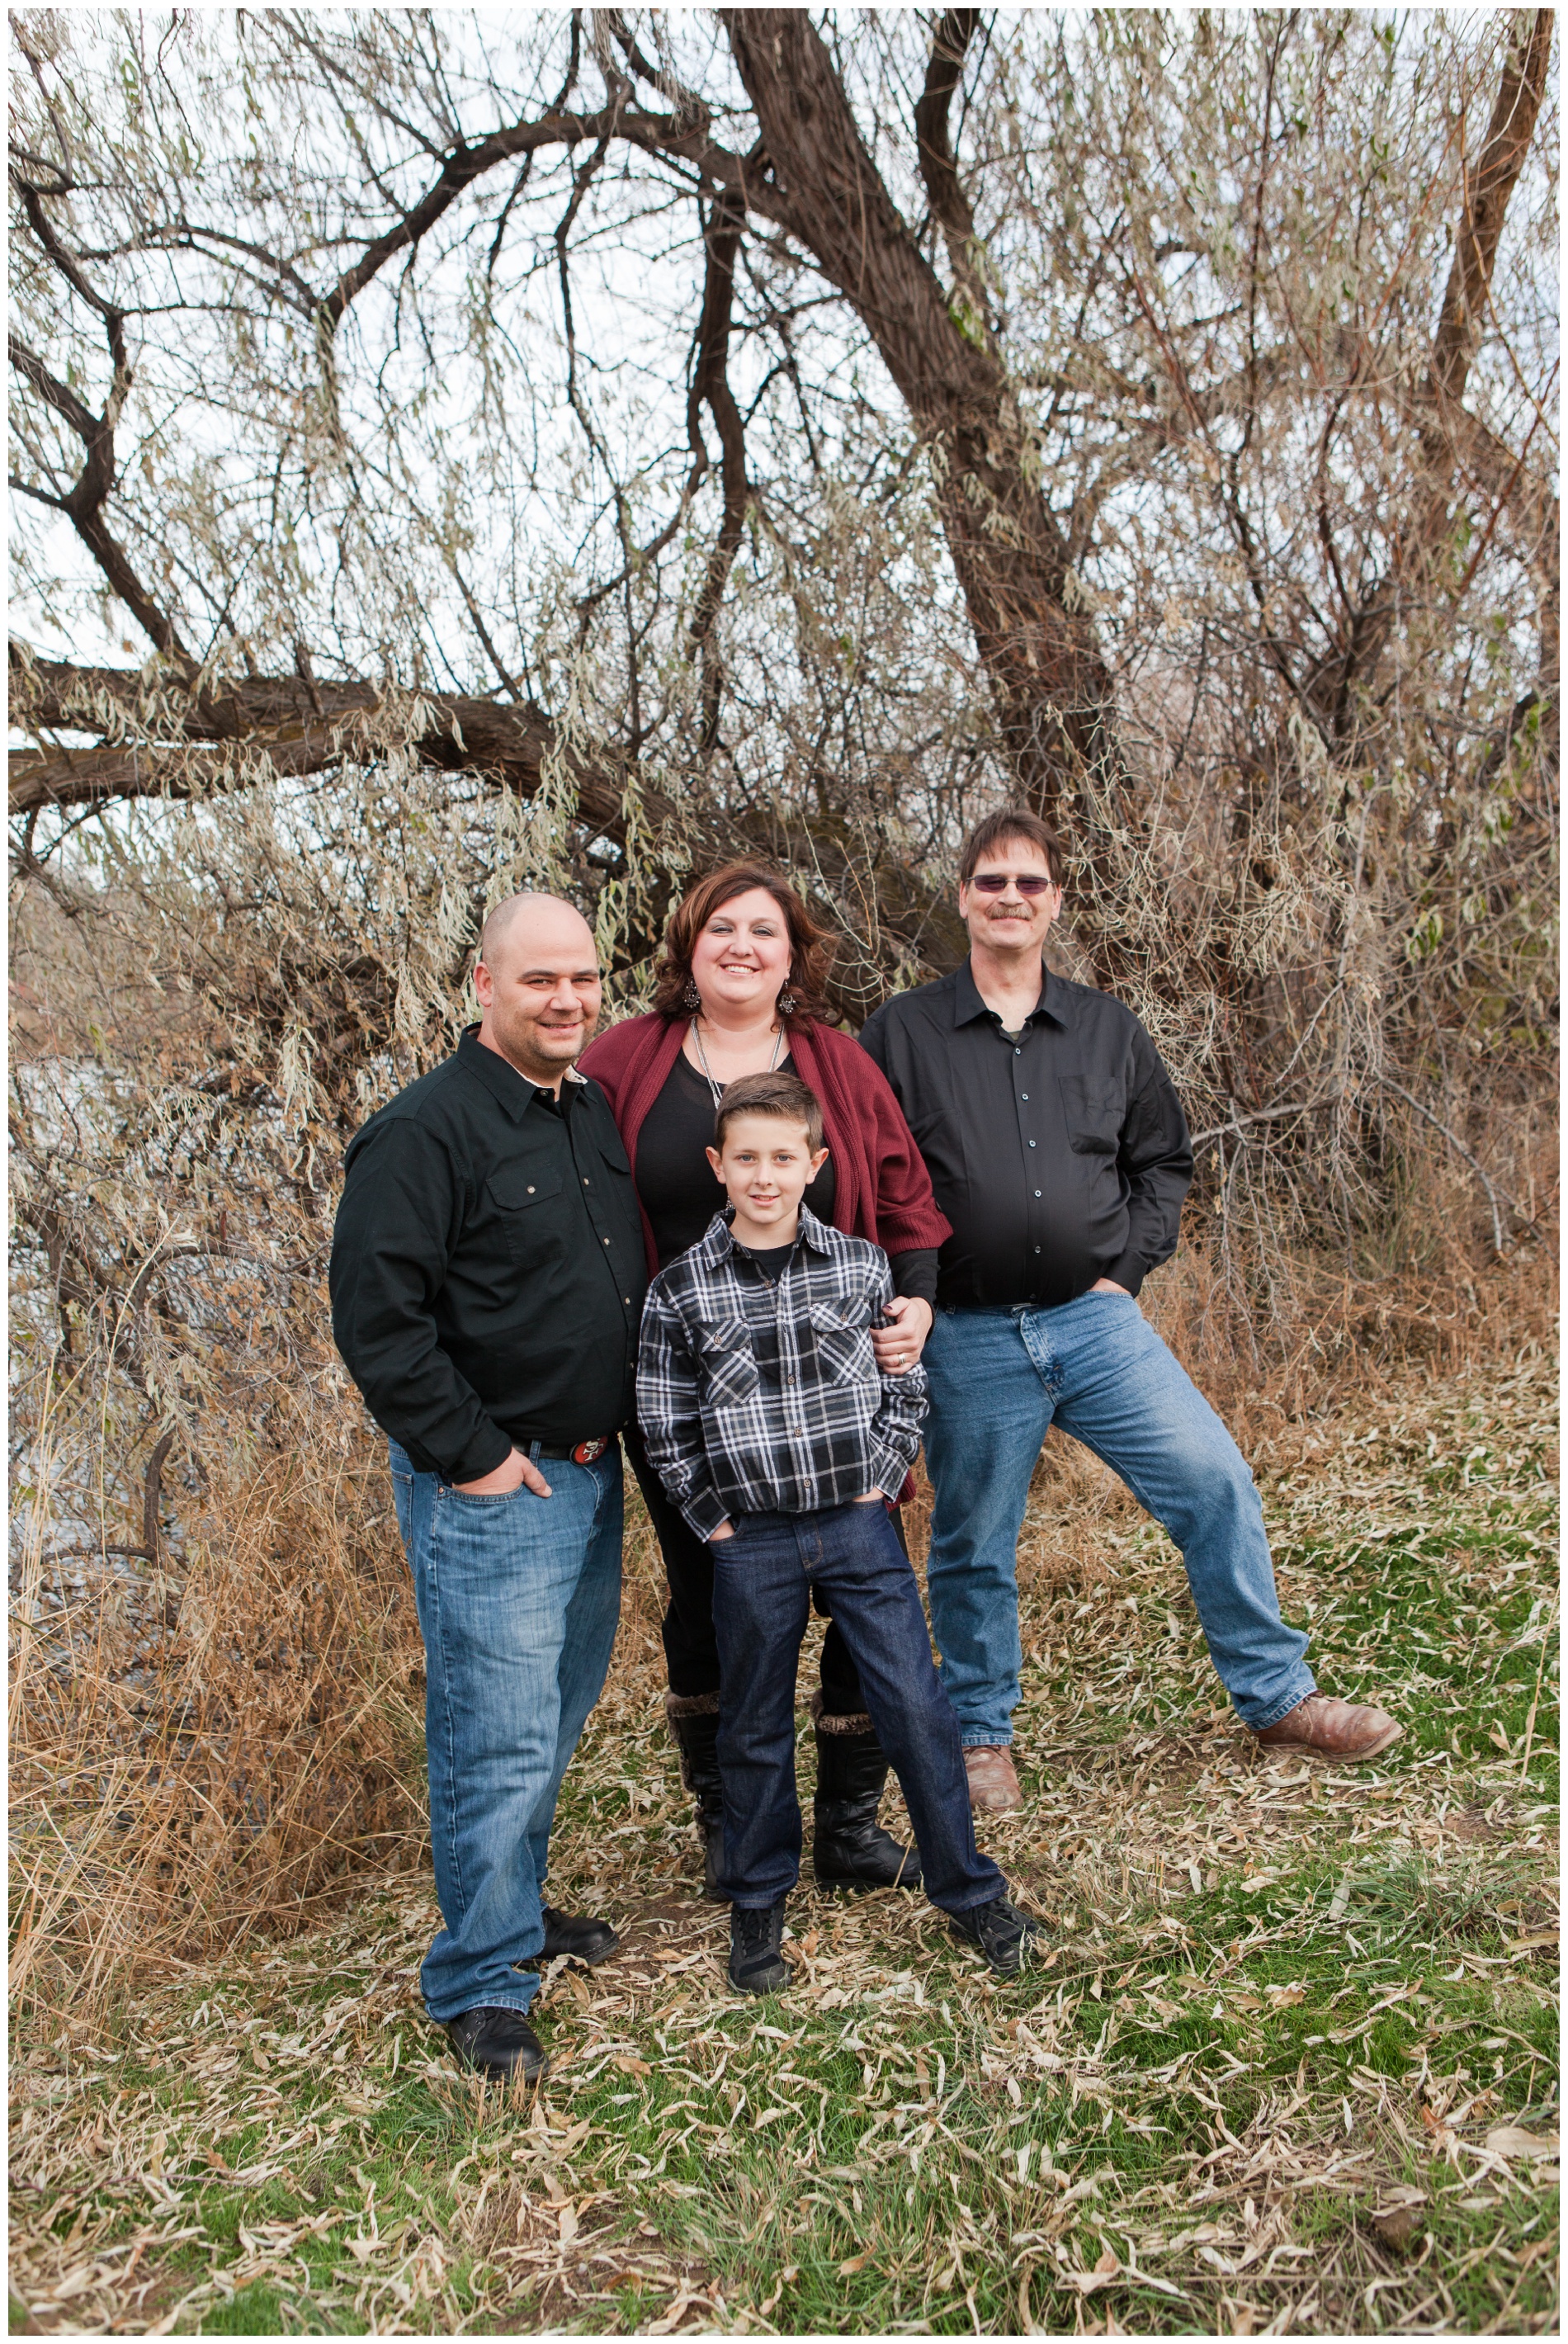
[
  {"x": 511, "y": 1091},
  {"x": 968, "y": 1006},
  {"x": 718, "y": 1244}
]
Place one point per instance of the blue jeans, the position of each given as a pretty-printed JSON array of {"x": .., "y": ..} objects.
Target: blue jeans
[
  {"x": 763, "y": 1579},
  {"x": 1099, "y": 1370},
  {"x": 518, "y": 1600}
]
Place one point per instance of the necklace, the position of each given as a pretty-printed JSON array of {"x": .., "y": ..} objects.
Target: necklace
[{"x": 718, "y": 1088}]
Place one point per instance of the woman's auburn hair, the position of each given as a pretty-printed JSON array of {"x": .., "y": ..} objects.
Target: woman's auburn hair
[{"x": 811, "y": 946}]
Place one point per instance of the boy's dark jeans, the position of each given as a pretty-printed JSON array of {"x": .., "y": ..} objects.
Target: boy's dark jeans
[{"x": 763, "y": 1579}]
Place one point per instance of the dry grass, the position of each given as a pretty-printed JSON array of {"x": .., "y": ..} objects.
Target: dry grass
[{"x": 1289, "y": 2061}]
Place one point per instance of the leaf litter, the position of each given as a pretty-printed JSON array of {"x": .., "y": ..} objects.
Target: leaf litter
[{"x": 1289, "y": 2058}]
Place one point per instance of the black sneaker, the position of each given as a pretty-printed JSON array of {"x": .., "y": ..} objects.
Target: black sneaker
[
  {"x": 755, "y": 1966},
  {"x": 574, "y": 1934},
  {"x": 499, "y": 2043},
  {"x": 1001, "y": 1931}
]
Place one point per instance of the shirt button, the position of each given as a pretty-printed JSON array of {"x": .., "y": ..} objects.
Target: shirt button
[
  {"x": 1036, "y": 1192},
  {"x": 531, "y": 1188},
  {"x": 1017, "y": 1054},
  {"x": 585, "y": 1179},
  {"x": 1031, "y": 1142},
  {"x": 1037, "y": 1249},
  {"x": 1024, "y": 1096}
]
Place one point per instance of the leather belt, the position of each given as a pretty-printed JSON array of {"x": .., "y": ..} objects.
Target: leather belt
[{"x": 582, "y": 1452}]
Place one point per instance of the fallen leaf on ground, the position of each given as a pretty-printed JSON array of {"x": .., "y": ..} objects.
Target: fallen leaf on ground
[{"x": 1508, "y": 2140}]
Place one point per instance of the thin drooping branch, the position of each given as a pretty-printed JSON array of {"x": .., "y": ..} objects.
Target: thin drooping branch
[
  {"x": 85, "y": 502},
  {"x": 710, "y": 389}
]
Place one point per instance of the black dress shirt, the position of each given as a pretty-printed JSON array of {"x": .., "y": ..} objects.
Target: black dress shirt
[
  {"x": 1060, "y": 1154},
  {"x": 488, "y": 1269}
]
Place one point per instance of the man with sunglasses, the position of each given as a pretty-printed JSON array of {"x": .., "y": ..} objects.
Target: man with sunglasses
[{"x": 1058, "y": 1150}]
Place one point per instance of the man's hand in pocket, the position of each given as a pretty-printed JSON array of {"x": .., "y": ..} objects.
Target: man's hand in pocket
[{"x": 512, "y": 1472}]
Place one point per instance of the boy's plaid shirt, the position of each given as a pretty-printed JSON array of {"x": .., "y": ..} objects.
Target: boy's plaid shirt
[{"x": 757, "y": 1398}]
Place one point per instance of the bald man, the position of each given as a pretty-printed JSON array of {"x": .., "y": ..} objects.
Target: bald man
[{"x": 487, "y": 1283}]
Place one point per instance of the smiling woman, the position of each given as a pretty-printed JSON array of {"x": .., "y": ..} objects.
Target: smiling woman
[{"x": 740, "y": 991}]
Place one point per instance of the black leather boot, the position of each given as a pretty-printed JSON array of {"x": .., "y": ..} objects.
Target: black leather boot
[
  {"x": 851, "y": 1850},
  {"x": 695, "y": 1722}
]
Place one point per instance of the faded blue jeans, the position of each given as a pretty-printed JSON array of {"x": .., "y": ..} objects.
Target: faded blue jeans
[
  {"x": 518, "y": 1600},
  {"x": 763, "y": 1579},
  {"x": 1095, "y": 1368}
]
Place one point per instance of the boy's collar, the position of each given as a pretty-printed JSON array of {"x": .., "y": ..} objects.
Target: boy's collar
[{"x": 719, "y": 1243}]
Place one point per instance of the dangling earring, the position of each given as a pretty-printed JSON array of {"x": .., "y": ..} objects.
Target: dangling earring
[
  {"x": 692, "y": 999},
  {"x": 787, "y": 1005}
]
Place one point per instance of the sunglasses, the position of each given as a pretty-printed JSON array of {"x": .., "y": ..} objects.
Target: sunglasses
[{"x": 994, "y": 882}]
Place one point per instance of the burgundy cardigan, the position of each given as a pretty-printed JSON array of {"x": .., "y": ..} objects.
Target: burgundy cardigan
[{"x": 881, "y": 1188}]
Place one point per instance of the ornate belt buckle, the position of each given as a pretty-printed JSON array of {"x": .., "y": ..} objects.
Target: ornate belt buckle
[{"x": 589, "y": 1452}]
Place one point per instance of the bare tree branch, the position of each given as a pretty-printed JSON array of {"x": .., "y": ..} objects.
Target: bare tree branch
[{"x": 84, "y": 506}]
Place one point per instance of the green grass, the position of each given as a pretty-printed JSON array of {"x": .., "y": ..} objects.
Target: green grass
[{"x": 1279, "y": 2016}]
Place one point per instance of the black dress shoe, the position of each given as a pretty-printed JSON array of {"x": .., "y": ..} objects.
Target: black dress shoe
[
  {"x": 756, "y": 1966},
  {"x": 574, "y": 1934},
  {"x": 499, "y": 2043},
  {"x": 1001, "y": 1931}
]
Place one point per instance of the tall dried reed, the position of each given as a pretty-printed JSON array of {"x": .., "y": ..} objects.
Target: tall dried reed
[{"x": 216, "y": 1692}]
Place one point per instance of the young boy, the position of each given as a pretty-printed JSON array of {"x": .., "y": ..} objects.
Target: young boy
[{"x": 770, "y": 1425}]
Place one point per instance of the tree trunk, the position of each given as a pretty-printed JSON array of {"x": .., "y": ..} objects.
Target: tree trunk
[{"x": 1052, "y": 690}]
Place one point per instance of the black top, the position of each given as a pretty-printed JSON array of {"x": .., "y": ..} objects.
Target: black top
[
  {"x": 488, "y": 1269},
  {"x": 674, "y": 1177},
  {"x": 680, "y": 1195},
  {"x": 1060, "y": 1155},
  {"x": 769, "y": 1260}
]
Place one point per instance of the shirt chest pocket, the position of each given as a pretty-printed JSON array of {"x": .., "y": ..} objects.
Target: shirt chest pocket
[
  {"x": 517, "y": 1193},
  {"x": 843, "y": 1343},
  {"x": 1093, "y": 1111},
  {"x": 730, "y": 1374}
]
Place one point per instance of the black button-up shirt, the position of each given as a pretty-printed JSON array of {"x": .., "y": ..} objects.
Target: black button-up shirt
[
  {"x": 488, "y": 1269},
  {"x": 1060, "y": 1155}
]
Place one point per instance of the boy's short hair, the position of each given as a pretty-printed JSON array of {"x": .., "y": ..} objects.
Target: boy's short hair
[
  {"x": 1010, "y": 821},
  {"x": 784, "y": 1096}
]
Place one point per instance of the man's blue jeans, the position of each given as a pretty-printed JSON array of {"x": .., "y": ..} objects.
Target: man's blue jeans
[
  {"x": 1099, "y": 1370},
  {"x": 518, "y": 1600},
  {"x": 763, "y": 1579}
]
